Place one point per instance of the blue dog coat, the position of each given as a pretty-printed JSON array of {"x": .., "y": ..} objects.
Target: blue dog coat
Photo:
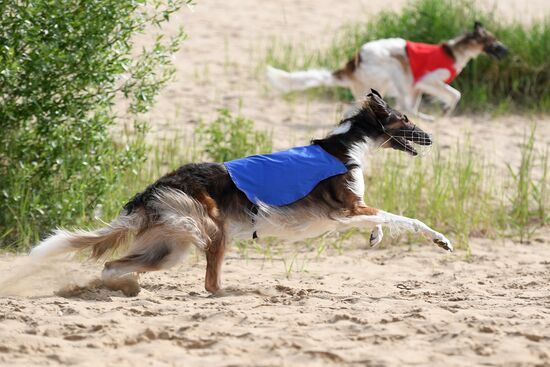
[{"x": 282, "y": 178}]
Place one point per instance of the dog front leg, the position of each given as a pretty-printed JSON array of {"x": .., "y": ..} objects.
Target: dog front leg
[
  {"x": 376, "y": 235},
  {"x": 370, "y": 216},
  {"x": 415, "y": 100},
  {"x": 444, "y": 92},
  {"x": 454, "y": 97}
]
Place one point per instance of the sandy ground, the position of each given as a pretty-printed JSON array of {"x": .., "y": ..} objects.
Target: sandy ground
[
  {"x": 371, "y": 307},
  {"x": 367, "y": 307}
]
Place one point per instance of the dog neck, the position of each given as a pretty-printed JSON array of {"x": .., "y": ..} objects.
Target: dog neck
[
  {"x": 348, "y": 143},
  {"x": 462, "y": 53}
]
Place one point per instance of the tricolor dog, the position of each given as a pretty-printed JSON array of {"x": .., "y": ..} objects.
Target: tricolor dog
[
  {"x": 401, "y": 69},
  {"x": 300, "y": 193}
]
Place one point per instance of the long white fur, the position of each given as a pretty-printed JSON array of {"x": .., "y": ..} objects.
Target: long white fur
[
  {"x": 178, "y": 211},
  {"x": 396, "y": 222},
  {"x": 301, "y": 80},
  {"x": 185, "y": 214},
  {"x": 291, "y": 224},
  {"x": 56, "y": 244},
  {"x": 356, "y": 156}
]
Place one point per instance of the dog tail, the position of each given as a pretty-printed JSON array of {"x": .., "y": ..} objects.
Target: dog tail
[
  {"x": 301, "y": 80},
  {"x": 177, "y": 217},
  {"x": 100, "y": 241}
]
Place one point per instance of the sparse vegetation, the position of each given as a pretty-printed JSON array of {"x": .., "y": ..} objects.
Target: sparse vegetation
[
  {"x": 229, "y": 137},
  {"x": 529, "y": 201},
  {"x": 521, "y": 81},
  {"x": 456, "y": 191}
]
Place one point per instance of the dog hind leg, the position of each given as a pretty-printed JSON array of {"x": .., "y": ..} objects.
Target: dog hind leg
[
  {"x": 214, "y": 259},
  {"x": 433, "y": 84},
  {"x": 157, "y": 248}
]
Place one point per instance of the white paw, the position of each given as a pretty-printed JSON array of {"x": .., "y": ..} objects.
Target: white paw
[
  {"x": 443, "y": 242},
  {"x": 448, "y": 111},
  {"x": 376, "y": 236}
]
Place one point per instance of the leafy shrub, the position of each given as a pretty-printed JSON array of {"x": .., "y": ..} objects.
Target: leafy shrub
[
  {"x": 521, "y": 80},
  {"x": 62, "y": 65},
  {"x": 229, "y": 137}
]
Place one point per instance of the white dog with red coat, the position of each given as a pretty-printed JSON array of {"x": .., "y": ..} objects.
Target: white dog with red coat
[{"x": 401, "y": 69}]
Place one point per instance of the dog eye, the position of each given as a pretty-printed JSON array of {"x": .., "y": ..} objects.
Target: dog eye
[{"x": 405, "y": 118}]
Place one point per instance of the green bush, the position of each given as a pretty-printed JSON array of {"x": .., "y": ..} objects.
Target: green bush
[
  {"x": 62, "y": 65},
  {"x": 522, "y": 80},
  {"x": 231, "y": 137}
]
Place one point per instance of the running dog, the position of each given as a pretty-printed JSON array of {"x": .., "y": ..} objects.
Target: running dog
[
  {"x": 401, "y": 69},
  {"x": 292, "y": 195}
]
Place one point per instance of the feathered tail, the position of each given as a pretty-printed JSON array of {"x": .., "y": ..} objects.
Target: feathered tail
[
  {"x": 300, "y": 80},
  {"x": 100, "y": 240},
  {"x": 179, "y": 221}
]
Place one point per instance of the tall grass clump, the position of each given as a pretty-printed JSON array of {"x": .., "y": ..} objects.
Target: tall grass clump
[
  {"x": 529, "y": 199},
  {"x": 453, "y": 192},
  {"x": 232, "y": 136},
  {"x": 63, "y": 64},
  {"x": 460, "y": 194},
  {"x": 522, "y": 80}
]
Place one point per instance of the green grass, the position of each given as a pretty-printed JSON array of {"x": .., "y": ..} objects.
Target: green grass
[
  {"x": 521, "y": 81},
  {"x": 230, "y": 137},
  {"x": 530, "y": 201},
  {"x": 454, "y": 191}
]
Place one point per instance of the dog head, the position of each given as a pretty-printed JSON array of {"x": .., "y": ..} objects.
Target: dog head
[
  {"x": 482, "y": 40},
  {"x": 391, "y": 128}
]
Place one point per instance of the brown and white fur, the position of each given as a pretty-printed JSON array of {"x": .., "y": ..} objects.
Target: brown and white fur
[
  {"x": 199, "y": 205},
  {"x": 383, "y": 65}
]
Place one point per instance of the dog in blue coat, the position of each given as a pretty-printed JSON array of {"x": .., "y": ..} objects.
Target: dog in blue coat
[{"x": 300, "y": 193}]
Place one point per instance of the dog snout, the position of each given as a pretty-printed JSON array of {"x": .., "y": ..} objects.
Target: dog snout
[
  {"x": 421, "y": 138},
  {"x": 415, "y": 135},
  {"x": 497, "y": 50}
]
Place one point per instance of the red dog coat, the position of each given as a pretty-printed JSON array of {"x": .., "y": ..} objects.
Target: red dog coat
[{"x": 424, "y": 58}]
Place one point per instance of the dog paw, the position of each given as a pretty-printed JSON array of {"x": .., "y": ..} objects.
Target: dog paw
[
  {"x": 376, "y": 236},
  {"x": 127, "y": 284},
  {"x": 442, "y": 241}
]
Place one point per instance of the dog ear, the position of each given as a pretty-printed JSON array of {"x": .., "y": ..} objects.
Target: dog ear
[
  {"x": 376, "y": 98},
  {"x": 377, "y": 104},
  {"x": 478, "y": 26},
  {"x": 374, "y": 91}
]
